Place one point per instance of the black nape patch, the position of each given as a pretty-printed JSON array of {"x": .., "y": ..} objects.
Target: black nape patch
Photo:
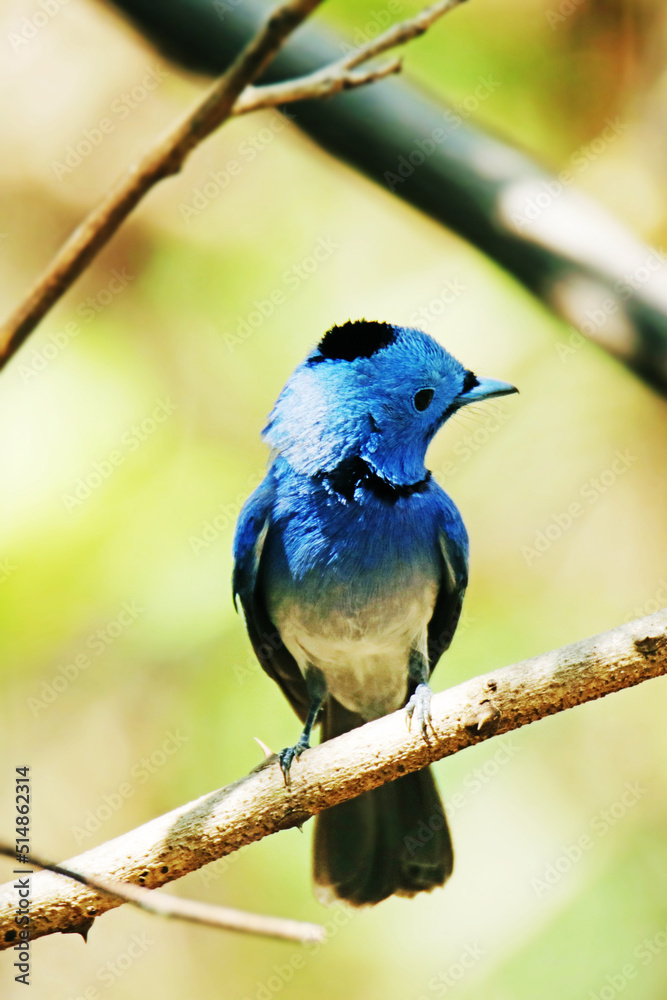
[
  {"x": 469, "y": 382},
  {"x": 356, "y": 339}
]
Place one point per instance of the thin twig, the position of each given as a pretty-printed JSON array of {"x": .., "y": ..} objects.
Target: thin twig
[
  {"x": 337, "y": 76},
  {"x": 400, "y": 34},
  {"x": 323, "y": 83},
  {"x": 167, "y": 157},
  {"x": 258, "y": 805},
  {"x": 166, "y": 905}
]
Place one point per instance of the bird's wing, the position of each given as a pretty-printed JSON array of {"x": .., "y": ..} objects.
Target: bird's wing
[
  {"x": 453, "y": 541},
  {"x": 274, "y": 657}
]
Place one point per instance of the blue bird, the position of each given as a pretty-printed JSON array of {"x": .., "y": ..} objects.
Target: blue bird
[{"x": 351, "y": 564}]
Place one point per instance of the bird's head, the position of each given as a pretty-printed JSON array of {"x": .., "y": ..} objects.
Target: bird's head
[{"x": 373, "y": 391}]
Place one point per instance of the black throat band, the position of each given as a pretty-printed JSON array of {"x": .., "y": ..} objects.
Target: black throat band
[{"x": 355, "y": 472}]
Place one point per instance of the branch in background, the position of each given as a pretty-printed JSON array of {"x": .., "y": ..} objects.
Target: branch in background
[
  {"x": 169, "y": 154},
  {"x": 164, "y": 905},
  {"x": 258, "y": 805},
  {"x": 572, "y": 255}
]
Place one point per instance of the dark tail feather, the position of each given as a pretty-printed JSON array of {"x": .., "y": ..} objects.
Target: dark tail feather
[{"x": 394, "y": 839}]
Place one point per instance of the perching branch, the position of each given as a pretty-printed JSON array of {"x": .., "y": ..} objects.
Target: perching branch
[
  {"x": 231, "y": 95},
  {"x": 259, "y": 804},
  {"x": 164, "y": 905}
]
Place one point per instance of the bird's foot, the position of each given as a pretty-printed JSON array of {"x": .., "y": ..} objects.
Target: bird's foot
[
  {"x": 419, "y": 707},
  {"x": 288, "y": 755}
]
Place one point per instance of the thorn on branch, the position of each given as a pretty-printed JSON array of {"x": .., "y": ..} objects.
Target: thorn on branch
[
  {"x": 165, "y": 905},
  {"x": 481, "y": 716},
  {"x": 651, "y": 646},
  {"x": 81, "y": 928}
]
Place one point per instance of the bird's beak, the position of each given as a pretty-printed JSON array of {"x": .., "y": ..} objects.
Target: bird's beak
[{"x": 486, "y": 388}]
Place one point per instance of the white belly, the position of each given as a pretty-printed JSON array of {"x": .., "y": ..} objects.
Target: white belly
[{"x": 364, "y": 658}]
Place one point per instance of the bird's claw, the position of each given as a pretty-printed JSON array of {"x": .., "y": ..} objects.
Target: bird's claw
[
  {"x": 420, "y": 706},
  {"x": 288, "y": 755}
]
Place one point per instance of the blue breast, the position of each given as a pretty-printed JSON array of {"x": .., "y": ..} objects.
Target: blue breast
[{"x": 349, "y": 542}]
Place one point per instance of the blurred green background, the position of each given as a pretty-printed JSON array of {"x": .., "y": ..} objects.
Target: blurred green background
[{"x": 130, "y": 435}]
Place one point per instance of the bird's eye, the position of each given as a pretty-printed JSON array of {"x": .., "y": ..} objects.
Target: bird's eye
[{"x": 422, "y": 399}]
